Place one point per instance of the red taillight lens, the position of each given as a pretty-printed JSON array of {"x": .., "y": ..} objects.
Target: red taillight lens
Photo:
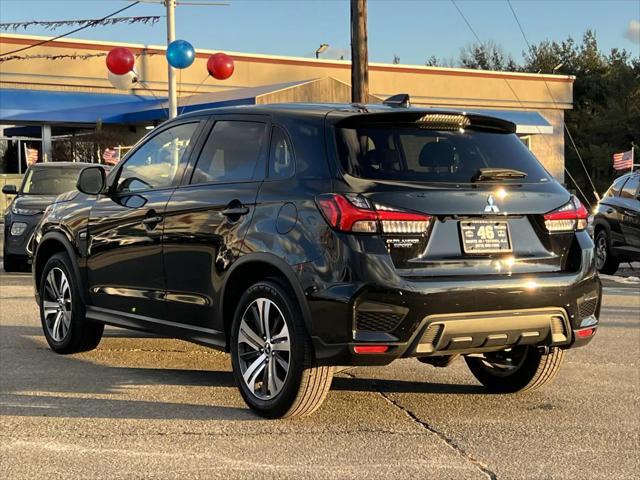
[
  {"x": 587, "y": 332},
  {"x": 354, "y": 213},
  {"x": 570, "y": 217}
]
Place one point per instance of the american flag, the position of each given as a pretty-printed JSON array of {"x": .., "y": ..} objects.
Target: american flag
[
  {"x": 110, "y": 156},
  {"x": 30, "y": 155},
  {"x": 623, "y": 161}
]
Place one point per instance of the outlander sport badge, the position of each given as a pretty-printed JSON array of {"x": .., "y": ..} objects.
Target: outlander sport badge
[{"x": 491, "y": 206}]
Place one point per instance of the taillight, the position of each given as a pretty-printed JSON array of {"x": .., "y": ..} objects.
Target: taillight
[
  {"x": 570, "y": 217},
  {"x": 355, "y": 213}
]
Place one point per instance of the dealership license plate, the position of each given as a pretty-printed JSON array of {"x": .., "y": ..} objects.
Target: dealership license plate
[{"x": 485, "y": 236}]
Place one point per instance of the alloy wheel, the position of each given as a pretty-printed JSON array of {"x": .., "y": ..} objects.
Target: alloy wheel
[
  {"x": 503, "y": 363},
  {"x": 56, "y": 304},
  {"x": 601, "y": 251},
  {"x": 264, "y": 349}
]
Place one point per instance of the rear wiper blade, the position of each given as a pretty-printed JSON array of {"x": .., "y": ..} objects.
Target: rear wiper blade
[{"x": 497, "y": 174}]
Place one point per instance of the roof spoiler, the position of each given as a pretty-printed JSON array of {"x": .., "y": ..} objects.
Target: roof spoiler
[{"x": 401, "y": 100}]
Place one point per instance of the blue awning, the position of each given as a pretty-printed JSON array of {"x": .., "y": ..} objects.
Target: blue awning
[{"x": 40, "y": 106}]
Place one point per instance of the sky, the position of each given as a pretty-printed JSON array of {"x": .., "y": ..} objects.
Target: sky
[{"x": 413, "y": 30}]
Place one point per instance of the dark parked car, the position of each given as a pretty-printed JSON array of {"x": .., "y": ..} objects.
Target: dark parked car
[
  {"x": 303, "y": 237},
  {"x": 616, "y": 224},
  {"x": 42, "y": 183}
]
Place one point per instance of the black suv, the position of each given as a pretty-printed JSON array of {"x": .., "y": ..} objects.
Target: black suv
[
  {"x": 303, "y": 237},
  {"x": 616, "y": 224}
]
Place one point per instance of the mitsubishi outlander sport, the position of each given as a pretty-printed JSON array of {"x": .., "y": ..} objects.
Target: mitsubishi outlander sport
[{"x": 300, "y": 238}]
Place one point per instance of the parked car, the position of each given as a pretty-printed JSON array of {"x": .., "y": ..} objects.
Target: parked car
[
  {"x": 616, "y": 224},
  {"x": 41, "y": 184},
  {"x": 303, "y": 237}
]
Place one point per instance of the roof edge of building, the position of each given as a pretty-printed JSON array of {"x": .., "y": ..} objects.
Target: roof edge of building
[{"x": 203, "y": 53}]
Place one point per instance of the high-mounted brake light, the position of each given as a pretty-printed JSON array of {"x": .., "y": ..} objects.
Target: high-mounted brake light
[
  {"x": 570, "y": 217},
  {"x": 355, "y": 213}
]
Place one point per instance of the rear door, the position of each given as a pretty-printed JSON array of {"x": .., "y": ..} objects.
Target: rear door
[
  {"x": 480, "y": 223},
  {"x": 207, "y": 217},
  {"x": 630, "y": 212},
  {"x": 124, "y": 264}
]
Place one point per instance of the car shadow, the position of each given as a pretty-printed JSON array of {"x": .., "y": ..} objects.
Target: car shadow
[{"x": 37, "y": 382}]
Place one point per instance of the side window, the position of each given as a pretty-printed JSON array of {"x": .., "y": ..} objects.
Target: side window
[
  {"x": 614, "y": 190},
  {"x": 281, "y": 160},
  {"x": 156, "y": 162},
  {"x": 231, "y": 152},
  {"x": 630, "y": 188}
]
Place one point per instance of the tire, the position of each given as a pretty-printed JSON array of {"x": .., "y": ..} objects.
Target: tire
[
  {"x": 11, "y": 264},
  {"x": 293, "y": 386},
  {"x": 606, "y": 262},
  {"x": 64, "y": 323},
  {"x": 530, "y": 369}
]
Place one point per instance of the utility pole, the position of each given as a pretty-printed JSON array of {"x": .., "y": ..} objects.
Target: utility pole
[
  {"x": 171, "y": 36},
  {"x": 359, "y": 52}
]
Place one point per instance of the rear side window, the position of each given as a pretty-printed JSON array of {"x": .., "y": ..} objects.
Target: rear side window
[
  {"x": 413, "y": 154},
  {"x": 281, "y": 162},
  {"x": 630, "y": 188},
  {"x": 231, "y": 152},
  {"x": 616, "y": 187}
]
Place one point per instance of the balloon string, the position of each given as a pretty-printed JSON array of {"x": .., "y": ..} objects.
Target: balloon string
[
  {"x": 195, "y": 91},
  {"x": 146, "y": 87}
]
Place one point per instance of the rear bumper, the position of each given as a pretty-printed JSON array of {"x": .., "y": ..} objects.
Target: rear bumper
[{"x": 455, "y": 315}]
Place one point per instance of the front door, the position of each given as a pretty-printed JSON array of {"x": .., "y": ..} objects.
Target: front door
[
  {"x": 207, "y": 218},
  {"x": 124, "y": 262}
]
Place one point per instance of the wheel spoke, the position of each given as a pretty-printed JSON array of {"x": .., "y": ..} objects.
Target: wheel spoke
[
  {"x": 51, "y": 282},
  {"x": 64, "y": 286},
  {"x": 273, "y": 378},
  {"x": 49, "y": 307},
  {"x": 56, "y": 327},
  {"x": 280, "y": 341},
  {"x": 249, "y": 337},
  {"x": 281, "y": 362},
  {"x": 252, "y": 372}
]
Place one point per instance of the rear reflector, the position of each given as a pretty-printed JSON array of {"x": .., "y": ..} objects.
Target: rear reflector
[
  {"x": 354, "y": 213},
  {"x": 370, "y": 348},
  {"x": 568, "y": 218},
  {"x": 587, "y": 332}
]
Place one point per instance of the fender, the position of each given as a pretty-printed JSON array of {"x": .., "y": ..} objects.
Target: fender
[
  {"x": 59, "y": 237},
  {"x": 285, "y": 269}
]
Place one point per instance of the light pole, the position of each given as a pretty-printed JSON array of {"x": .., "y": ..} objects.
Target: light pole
[
  {"x": 359, "y": 52},
  {"x": 321, "y": 49},
  {"x": 171, "y": 36}
]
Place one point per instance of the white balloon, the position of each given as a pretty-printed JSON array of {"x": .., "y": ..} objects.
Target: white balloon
[{"x": 123, "y": 82}]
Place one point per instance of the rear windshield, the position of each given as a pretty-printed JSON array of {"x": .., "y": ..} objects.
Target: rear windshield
[
  {"x": 413, "y": 154},
  {"x": 50, "y": 181}
]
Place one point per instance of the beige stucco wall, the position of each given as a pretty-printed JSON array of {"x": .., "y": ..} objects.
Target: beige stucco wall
[{"x": 433, "y": 86}]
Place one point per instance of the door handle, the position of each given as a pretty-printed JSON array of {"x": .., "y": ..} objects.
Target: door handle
[
  {"x": 152, "y": 220},
  {"x": 235, "y": 211}
]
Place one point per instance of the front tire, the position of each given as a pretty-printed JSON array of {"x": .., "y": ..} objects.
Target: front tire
[
  {"x": 606, "y": 262},
  {"x": 62, "y": 311},
  {"x": 272, "y": 356},
  {"x": 516, "y": 370}
]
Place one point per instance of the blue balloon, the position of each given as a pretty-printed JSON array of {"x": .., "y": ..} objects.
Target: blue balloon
[{"x": 180, "y": 54}]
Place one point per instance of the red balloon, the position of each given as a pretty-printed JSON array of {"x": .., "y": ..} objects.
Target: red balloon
[
  {"x": 120, "y": 60},
  {"x": 220, "y": 66}
]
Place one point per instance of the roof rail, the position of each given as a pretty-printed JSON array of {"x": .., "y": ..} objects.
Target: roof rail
[{"x": 401, "y": 100}]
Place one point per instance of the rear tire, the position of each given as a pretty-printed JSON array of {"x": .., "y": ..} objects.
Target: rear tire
[
  {"x": 606, "y": 262},
  {"x": 518, "y": 370},
  {"x": 62, "y": 311},
  {"x": 272, "y": 355}
]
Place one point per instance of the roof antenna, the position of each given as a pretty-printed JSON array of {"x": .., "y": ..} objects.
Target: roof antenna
[{"x": 401, "y": 100}]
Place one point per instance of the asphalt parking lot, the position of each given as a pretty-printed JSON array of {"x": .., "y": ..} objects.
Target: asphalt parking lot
[{"x": 147, "y": 407}]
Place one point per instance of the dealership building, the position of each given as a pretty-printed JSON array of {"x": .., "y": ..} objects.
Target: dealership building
[{"x": 56, "y": 98}]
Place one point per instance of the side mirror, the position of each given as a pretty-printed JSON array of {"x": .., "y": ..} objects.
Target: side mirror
[
  {"x": 91, "y": 180},
  {"x": 9, "y": 190}
]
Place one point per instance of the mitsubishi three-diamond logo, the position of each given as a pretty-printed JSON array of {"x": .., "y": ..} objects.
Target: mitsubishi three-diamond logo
[{"x": 491, "y": 206}]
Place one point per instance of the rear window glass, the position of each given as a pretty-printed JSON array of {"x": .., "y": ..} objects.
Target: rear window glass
[
  {"x": 413, "y": 154},
  {"x": 614, "y": 189}
]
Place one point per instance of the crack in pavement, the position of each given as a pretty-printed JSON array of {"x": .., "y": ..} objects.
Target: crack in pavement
[{"x": 451, "y": 443}]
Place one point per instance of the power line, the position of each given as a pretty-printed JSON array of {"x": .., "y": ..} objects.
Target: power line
[
  {"x": 526, "y": 40},
  {"x": 477, "y": 37},
  {"x": 69, "y": 33}
]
